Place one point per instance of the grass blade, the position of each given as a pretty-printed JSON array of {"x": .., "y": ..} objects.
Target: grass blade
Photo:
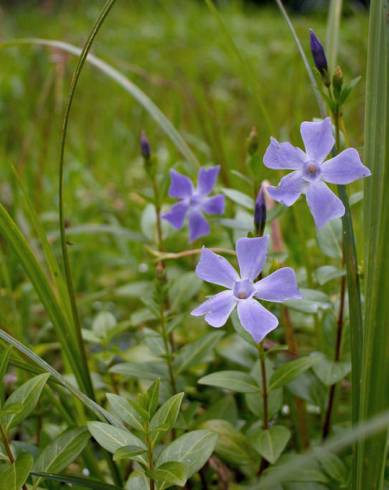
[
  {"x": 374, "y": 382},
  {"x": 332, "y": 38}
]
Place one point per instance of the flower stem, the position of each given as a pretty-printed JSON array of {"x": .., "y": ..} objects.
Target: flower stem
[
  {"x": 8, "y": 449},
  {"x": 168, "y": 339},
  {"x": 150, "y": 457},
  {"x": 265, "y": 402}
]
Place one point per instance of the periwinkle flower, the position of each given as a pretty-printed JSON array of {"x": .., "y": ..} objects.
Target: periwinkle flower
[
  {"x": 194, "y": 202},
  {"x": 243, "y": 290},
  {"x": 311, "y": 171}
]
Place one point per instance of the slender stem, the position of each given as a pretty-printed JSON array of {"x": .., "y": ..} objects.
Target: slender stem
[
  {"x": 339, "y": 334},
  {"x": 262, "y": 363},
  {"x": 161, "y": 256},
  {"x": 68, "y": 274},
  {"x": 168, "y": 340},
  {"x": 150, "y": 456},
  {"x": 8, "y": 449},
  {"x": 299, "y": 404}
]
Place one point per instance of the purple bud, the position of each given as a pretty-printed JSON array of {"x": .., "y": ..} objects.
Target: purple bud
[
  {"x": 260, "y": 212},
  {"x": 145, "y": 146},
  {"x": 318, "y": 54}
]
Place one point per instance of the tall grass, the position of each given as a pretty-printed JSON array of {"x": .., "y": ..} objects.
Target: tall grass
[{"x": 374, "y": 380}]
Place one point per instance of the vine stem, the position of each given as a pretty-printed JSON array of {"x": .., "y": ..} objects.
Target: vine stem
[
  {"x": 168, "y": 340},
  {"x": 8, "y": 449},
  {"x": 265, "y": 399}
]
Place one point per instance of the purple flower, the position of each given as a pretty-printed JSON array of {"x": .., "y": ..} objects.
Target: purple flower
[
  {"x": 194, "y": 202},
  {"x": 242, "y": 289},
  {"x": 311, "y": 171}
]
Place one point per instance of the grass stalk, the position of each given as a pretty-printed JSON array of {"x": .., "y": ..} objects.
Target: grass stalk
[{"x": 369, "y": 467}]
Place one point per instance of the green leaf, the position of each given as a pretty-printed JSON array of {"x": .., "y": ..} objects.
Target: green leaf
[
  {"x": 370, "y": 359},
  {"x": 138, "y": 481},
  {"x": 103, "y": 323},
  {"x": 172, "y": 472},
  {"x": 289, "y": 371},
  {"x": 330, "y": 239},
  {"x": 192, "y": 449},
  {"x": 239, "y": 198},
  {"x": 196, "y": 352},
  {"x": 166, "y": 416},
  {"x": 58, "y": 454},
  {"x": 14, "y": 476},
  {"x": 26, "y": 395},
  {"x": 141, "y": 370},
  {"x": 232, "y": 445},
  {"x": 112, "y": 438},
  {"x": 328, "y": 273},
  {"x": 128, "y": 452},
  {"x": 76, "y": 482},
  {"x": 272, "y": 442},
  {"x": 330, "y": 372},
  {"x": 122, "y": 409},
  {"x": 332, "y": 465},
  {"x": 312, "y": 302},
  {"x": 231, "y": 380}
]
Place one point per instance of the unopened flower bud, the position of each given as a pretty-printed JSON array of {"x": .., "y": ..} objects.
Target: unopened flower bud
[
  {"x": 145, "y": 146},
  {"x": 337, "y": 80},
  {"x": 319, "y": 57},
  {"x": 252, "y": 142},
  {"x": 260, "y": 212}
]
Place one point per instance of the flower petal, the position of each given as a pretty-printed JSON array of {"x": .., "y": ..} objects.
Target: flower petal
[
  {"x": 289, "y": 189},
  {"x": 216, "y": 269},
  {"x": 318, "y": 139},
  {"x": 180, "y": 185},
  {"x": 344, "y": 168},
  {"x": 251, "y": 254},
  {"x": 256, "y": 319},
  {"x": 283, "y": 156},
  {"x": 176, "y": 215},
  {"x": 198, "y": 225},
  {"x": 207, "y": 179},
  {"x": 214, "y": 205},
  {"x": 216, "y": 309},
  {"x": 323, "y": 203},
  {"x": 279, "y": 286}
]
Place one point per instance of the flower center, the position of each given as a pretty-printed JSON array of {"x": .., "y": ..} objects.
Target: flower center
[
  {"x": 195, "y": 200},
  {"x": 243, "y": 289},
  {"x": 311, "y": 170}
]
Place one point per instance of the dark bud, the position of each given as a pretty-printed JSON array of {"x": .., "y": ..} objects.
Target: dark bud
[
  {"x": 260, "y": 212},
  {"x": 145, "y": 146},
  {"x": 319, "y": 57},
  {"x": 253, "y": 142},
  {"x": 337, "y": 81}
]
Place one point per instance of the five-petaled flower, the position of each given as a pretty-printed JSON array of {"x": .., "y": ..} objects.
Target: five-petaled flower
[
  {"x": 242, "y": 289},
  {"x": 311, "y": 171},
  {"x": 194, "y": 202}
]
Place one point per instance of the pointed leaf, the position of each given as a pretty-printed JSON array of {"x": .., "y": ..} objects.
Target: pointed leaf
[{"x": 231, "y": 380}]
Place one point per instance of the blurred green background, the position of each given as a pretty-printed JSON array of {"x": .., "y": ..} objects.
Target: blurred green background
[{"x": 177, "y": 54}]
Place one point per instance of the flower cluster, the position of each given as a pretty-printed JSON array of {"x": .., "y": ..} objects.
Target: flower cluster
[{"x": 310, "y": 174}]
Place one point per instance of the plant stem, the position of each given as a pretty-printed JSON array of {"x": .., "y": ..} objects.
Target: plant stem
[
  {"x": 339, "y": 333},
  {"x": 168, "y": 340},
  {"x": 8, "y": 449},
  {"x": 262, "y": 363},
  {"x": 150, "y": 456}
]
